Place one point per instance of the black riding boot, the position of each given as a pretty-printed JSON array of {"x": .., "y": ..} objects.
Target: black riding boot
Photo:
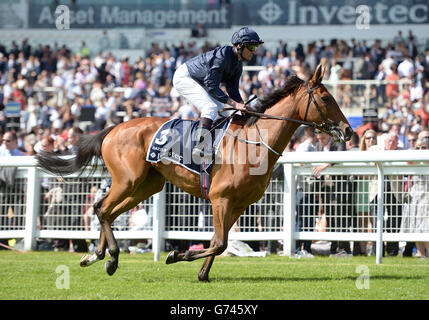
[{"x": 201, "y": 149}]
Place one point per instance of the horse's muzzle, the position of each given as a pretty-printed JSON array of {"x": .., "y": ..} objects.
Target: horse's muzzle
[
  {"x": 341, "y": 132},
  {"x": 348, "y": 133}
]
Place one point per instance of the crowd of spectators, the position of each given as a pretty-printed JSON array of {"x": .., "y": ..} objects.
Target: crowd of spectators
[{"x": 104, "y": 89}]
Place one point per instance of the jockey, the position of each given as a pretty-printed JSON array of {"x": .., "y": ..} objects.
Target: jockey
[{"x": 199, "y": 78}]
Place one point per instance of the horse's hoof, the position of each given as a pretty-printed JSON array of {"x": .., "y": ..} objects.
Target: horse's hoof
[
  {"x": 84, "y": 260},
  {"x": 172, "y": 257},
  {"x": 111, "y": 267},
  {"x": 88, "y": 259},
  {"x": 203, "y": 278}
]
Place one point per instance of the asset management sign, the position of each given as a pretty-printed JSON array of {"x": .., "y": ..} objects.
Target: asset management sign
[
  {"x": 162, "y": 15},
  {"x": 175, "y": 14}
]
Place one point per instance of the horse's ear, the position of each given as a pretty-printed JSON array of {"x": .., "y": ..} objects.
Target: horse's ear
[{"x": 318, "y": 74}]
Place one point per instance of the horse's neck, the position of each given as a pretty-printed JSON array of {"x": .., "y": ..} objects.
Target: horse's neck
[{"x": 280, "y": 132}]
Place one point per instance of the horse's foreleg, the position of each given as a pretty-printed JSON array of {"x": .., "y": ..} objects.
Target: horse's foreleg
[
  {"x": 217, "y": 246},
  {"x": 223, "y": 220},
  {"x": 203, "y": 275}
]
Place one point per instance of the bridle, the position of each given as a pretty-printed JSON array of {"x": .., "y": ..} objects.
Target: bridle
[{"x": 327, "y": 126}]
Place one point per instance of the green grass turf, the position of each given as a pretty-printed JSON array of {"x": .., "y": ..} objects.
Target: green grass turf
[{"x": 33, "y": 275}]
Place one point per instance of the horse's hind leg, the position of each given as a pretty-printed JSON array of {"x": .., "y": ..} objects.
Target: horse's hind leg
[
  {"x": 152, "y": 184},
  {"x": 98, "y": 255},
  {"x": 100, "y": 252},
  {"x": 118, "y": 200}
]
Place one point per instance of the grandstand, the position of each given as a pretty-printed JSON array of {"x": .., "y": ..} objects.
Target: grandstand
[{"x": 36, "y": 20}]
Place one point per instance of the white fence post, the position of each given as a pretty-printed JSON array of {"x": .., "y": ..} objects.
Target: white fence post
[
  {"x": 289, "y": 205},
  {"x": 158, "y": 223},
  {"x": 368, "y": 95},
  {"x": 380, "y": 212},
  {"x": 32, "y": 208}
]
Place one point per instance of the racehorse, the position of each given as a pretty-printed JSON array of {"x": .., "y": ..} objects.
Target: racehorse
[{"x": 124, "y": 147}]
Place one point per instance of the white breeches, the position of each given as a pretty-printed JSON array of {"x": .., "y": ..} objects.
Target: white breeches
[{"x": 195, "y": 94}]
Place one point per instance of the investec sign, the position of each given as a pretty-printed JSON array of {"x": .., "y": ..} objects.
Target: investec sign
[
  {"x": 239, "y": 12},
  {"x": 338, "y": 13}
]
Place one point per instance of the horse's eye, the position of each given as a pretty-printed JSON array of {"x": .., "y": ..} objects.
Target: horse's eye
[{"x": 325, "y": 98}]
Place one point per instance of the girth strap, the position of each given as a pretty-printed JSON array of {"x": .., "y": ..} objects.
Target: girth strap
[{"x": 205, "y": 181}]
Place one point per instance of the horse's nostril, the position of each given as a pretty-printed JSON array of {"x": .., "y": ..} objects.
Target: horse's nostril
[{"x": 348, "y": 133}]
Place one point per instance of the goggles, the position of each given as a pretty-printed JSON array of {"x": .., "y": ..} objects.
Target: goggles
[{"x": 251, "y": 47}]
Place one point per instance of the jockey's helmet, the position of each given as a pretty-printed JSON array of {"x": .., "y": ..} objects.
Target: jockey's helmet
[{"x": 246, "y": 36}]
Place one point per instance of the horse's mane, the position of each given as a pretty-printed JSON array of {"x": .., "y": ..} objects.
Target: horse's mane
[{"x": 292, "y": 83}]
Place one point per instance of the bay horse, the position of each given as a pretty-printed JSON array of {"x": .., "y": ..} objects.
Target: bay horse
[{"x": 123, "y": 149}]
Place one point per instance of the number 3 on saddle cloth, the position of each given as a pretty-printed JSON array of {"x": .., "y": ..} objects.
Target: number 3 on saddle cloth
[{"x": 175, "y": 140}]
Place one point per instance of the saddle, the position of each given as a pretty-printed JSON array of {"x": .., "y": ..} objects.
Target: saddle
[{"x": 175, "y": 140}]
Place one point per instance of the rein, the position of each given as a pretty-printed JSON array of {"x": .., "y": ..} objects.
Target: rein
[
  {"x": 267, "y": 116},
  {"x": 327, "y": 125}
]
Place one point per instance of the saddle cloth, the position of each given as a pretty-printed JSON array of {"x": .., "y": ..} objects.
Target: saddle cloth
[{"x": 176, "y": 138}]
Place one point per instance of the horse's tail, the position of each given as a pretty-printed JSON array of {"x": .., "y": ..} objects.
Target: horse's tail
[{"x": 87, "y": 148}]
